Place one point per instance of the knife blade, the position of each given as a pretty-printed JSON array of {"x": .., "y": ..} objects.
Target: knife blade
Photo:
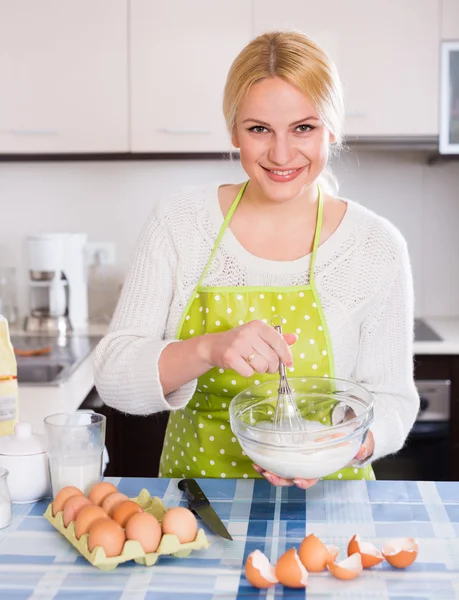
[{"x": 199, "y": 504}]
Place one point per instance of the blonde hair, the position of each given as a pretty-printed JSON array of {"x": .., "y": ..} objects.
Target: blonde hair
[{"x": 300, "y": 62}]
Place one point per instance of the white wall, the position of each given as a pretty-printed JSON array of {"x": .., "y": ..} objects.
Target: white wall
[{"x": 111, "y": 200}]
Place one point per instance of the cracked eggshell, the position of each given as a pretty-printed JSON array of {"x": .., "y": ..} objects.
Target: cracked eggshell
[
  {"x": 348, "y": 568},
  {"x": 371, "y": 556},
  {"x": 290, "y": 571},
  {"x": 259, "y": 571},
  {"x": 401, "y": 552},
  {"x": 315, "y": 555}
]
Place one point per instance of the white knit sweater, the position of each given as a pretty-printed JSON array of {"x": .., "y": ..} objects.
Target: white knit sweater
[{"x": 363, "y": 278}]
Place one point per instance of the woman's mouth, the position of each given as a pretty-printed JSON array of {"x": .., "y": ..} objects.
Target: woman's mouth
[{"x": 283, "y": 175}]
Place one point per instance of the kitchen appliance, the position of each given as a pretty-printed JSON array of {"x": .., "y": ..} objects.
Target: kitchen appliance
[
  {"x": 425, "y": 455},
  {"x": 58, "y": 283},
  {"x": 198, "y": 503},
  {"x": 54, "y": 367},
  {"x": 449, "y": 98}
]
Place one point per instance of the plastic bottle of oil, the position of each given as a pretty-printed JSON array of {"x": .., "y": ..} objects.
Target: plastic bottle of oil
[{"x": 8, "y": 381}]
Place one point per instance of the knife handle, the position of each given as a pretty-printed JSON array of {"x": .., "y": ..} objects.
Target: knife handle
[{"x": 193, "y": 492}]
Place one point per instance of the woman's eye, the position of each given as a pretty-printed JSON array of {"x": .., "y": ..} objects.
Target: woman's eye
[
  {"x": 304, "y": 128},
  {"x": 258, "y": 129}
]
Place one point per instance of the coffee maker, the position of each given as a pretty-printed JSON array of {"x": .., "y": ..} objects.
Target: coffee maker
[{"x": 57, "y": 283}]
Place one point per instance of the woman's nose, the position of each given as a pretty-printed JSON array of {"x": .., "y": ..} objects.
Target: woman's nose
[{"x": 280, "y": 151}]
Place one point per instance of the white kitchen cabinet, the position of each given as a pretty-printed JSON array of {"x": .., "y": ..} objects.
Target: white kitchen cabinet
[
  {"x": 180, "y": 53},
  {"x": 450, "y": 19},
  {"x": 63, "y": 68},
  {"x": 387, "y": 54}
]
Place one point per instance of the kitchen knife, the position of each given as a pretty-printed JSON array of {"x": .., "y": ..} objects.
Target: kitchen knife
[{"x": 199, "y": 504}]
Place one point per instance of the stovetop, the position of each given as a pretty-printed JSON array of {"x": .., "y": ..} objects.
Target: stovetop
[
  {"x": 425, "y": 333},
  {"x": 57, "y": 364}
]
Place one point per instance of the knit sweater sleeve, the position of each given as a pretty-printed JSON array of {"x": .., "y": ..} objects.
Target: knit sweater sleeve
[
  {"x": 385, "y": 359},
  {"x": 126, "y": 360}
]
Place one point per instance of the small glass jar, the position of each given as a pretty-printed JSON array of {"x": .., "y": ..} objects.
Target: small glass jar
[{"x": 5, "y": 500}]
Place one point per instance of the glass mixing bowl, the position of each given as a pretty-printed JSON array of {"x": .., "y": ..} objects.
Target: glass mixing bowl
[{"x": 336, "y": 415}]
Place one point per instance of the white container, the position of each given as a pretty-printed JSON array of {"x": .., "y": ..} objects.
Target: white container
[{"x": 24, "y": 456}]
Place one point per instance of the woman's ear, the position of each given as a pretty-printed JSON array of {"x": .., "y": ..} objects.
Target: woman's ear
[
  {"x": 332, "y": 138},
  {"x": 235, "y": 138}
]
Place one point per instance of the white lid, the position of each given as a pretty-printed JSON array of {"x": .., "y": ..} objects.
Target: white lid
[{"x": 23, "y": 442}]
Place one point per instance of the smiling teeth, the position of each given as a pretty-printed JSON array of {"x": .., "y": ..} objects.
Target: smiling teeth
[{"x": 284, "y": 173}]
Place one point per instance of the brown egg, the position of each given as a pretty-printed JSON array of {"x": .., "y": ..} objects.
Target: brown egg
[
  {"x": 73, "y": 506},
  {"x": 181, "y": 522},
  {"x": 144, "y": 528},
  {"x": 315, "y": 555},
  {"x": 401, "y": 552},
  {"x": 86, "y": 517},
  {"x": 124, "y": 511},
  {"x": 290, "y": 571},
  {"x": 348, "y": 568},
  {"x": 100, "y": 491},
  {"x": 107, "y": 534},
  {"x": 112, "y": 501},
  {"x": 259, "y": 571},
  {"x": 63, "y": 495},
  {"x": 371, "y": 556}
]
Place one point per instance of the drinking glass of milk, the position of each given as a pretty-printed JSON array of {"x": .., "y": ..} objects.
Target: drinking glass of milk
[{"x": 75, "y": 444}]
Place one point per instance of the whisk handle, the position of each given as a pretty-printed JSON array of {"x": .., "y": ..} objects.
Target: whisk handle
[{"x": 278, "y": 328}]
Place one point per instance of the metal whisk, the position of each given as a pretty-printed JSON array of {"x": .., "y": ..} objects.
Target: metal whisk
[{"x": 286, "y": 416}]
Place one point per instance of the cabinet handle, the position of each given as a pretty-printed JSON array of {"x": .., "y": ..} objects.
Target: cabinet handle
[
  {"x": 29, "y": 132},
  {"x": 178, "y": 131}
]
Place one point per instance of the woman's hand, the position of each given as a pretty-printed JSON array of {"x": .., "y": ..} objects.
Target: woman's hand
[
  {"x": 249, "y": 348},
  {"x": 365, "y": 450}
]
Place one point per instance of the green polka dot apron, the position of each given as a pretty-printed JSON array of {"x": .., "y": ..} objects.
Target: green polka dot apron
[{"x": 199, "y": 441}]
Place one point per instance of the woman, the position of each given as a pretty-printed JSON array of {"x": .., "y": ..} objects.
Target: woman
[{"x": 192, "y": 327}]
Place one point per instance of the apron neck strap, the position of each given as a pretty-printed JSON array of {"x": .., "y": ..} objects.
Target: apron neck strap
[
  {"x": 320, "y": 211},
  {"x": 230, "y": 213},
  {"x": 223, "y": 228}
]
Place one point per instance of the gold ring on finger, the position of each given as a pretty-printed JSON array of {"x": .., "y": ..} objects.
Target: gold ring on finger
[{"x": 251, "y": 356}]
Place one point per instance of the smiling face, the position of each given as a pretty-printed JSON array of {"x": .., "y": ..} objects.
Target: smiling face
[{"x": 284, "y": 146}]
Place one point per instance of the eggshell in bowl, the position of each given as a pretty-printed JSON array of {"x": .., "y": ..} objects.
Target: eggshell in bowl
[
  {"x": 63, "y": 495},
  {"x": 112, "y": 501},
  {"x": 315, "y": 555},
  {"x": 348, "y": 568},
  {"x": 259, "y": 571},
  {"x": 109, "y": 535},
  {"x": 290, "y": 571},
  {"x": 181, "y": 522},
  {"x": 124, "y": 511},
  {"x": 371, "y": 556},
  {"x": 401, "y": 552},
  {"x": 144, "y": 528},
  {"x": 100, "y": 491},
  {"x": 86, "y": 517},
  {"x": 73, "y": 506}
]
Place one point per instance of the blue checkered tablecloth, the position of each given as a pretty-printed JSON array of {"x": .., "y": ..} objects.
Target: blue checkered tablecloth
[{"x": 36, "y": 562}]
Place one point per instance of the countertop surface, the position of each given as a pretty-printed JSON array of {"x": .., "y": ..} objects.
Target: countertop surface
[
  {"x": 448, "y": 330},
  {"x": 37, "y": 402},
  {"x": 36, "y": 562}
]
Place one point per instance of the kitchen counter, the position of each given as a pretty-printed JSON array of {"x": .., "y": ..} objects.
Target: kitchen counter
[
  {"x": 448, "y": 330},
  {"x": 40, "y": 401},
  {"x": 37, "y": 562},
  {"x": 36, "y": 402}
]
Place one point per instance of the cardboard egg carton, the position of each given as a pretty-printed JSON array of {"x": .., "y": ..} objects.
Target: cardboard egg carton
[{"x": 132, "y": 550}]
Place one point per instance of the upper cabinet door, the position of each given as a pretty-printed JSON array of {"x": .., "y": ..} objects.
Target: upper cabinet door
[
  {"x": 387, "y": 54},
  {"x": 180, "y": 55},
  {"x": 450, "y": 19},
  {"x": 63, "y": 68}
]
